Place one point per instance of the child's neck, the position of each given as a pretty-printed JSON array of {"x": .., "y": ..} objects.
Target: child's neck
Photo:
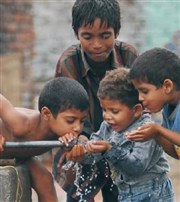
[
  {"x": 99, "y": 68},
  {"x": 44, "y": 132},
  {"x": 175, "y": 99}
]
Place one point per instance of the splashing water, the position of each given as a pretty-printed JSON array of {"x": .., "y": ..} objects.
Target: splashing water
[
  {"x": 81, "y": 180},
  {"x": 84, "y": 181}
]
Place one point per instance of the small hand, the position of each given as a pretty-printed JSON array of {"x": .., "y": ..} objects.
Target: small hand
[
  {"x": 67, "y": 138},
  {"x": 98, "y": 146},
  {"x": 77, "y": 153},
  {"x": 2, "y": 141},
  {"x": 143, "y": 133}
]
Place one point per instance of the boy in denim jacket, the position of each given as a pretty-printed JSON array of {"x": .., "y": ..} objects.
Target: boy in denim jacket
[{"x": 139, "y": 169}]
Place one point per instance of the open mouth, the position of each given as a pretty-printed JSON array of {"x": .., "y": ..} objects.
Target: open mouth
[{"x": 113, "y": 126}]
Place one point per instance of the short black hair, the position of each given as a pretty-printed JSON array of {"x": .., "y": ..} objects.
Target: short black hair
[
  {"x": 61, "y": 94},
  {"x": 116, "y": 86},
  {"x": 156, "y": 65},
  {"x": 86, "y": 11}
]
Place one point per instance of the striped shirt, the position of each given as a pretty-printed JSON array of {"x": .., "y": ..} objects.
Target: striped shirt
[{"x": 73, "y": 64}]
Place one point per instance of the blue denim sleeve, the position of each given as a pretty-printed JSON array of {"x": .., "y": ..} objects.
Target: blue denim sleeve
[{"x": 134, "y": 158}]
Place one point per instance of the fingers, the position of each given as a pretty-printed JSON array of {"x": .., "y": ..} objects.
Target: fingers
[
  {"x": 94, "y": 146},
  {"x": 2, "y": 141},
  {"x": 137, "y": 138},
  {"x": 67, "y": 138},
  {"x": 76, "y": 154}
]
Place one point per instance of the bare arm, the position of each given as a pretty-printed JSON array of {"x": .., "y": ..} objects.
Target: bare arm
[
  {"x": 170, "y": 135},
  {"x": 16, "y": 121},
  {"x": 167, "y": 146},
  {"x": 167, "y": 139}
]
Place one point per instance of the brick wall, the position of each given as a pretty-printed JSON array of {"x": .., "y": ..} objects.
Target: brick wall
[
  {"x": 16, "y": 27},
  {"x": 16, "y": 49}
]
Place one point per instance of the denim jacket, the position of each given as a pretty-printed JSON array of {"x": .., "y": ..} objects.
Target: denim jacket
[{"x": 131, "y": 162}]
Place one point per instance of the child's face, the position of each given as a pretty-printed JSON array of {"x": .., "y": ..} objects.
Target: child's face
[
  {"x": 152, "y": 98},
  {"x": 117, "y": 115},
  {"x": 68, "y": 121},
  {"x": 97, "y": 42}
]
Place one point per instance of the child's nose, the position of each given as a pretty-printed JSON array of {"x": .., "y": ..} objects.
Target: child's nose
[
  {"x": 106, "y": 116},
  {"x": 140, "y": 97},
  {"x": 97, "y": 44},
  {"x": 77, "y": 129}
]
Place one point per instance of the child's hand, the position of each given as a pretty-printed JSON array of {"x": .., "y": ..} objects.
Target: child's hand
[
  {"x": 77, "y": 153},
  {"x": 2, "y": 141},
  {"x": 143, "y": 133},
  {"x": 98, "y": 146},
  {"x": 67, "y": 138}
]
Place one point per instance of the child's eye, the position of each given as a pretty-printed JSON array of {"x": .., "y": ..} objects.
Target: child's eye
[
  {"x": 115, "y": 111},
  {"x": 105, "y": 35},
  {"x": 70, "y": 121},
  {"x": 144, "y": 91},
  {"x": 86, "y": 36}
]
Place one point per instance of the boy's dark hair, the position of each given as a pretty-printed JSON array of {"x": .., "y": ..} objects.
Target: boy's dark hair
[
  {"x": 86, "y": 11},
  {"x": 61, "y": 94},
  {"x": 116, "y": 86},
  {"x": 156, "y": 65}
]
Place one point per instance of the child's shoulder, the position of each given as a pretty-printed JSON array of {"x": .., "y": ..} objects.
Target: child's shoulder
[
  {"x": 29, "y": 121},
  {"x": 71, "y": 51},
  {"x": 126, "y": 46},
  {"x": 27, "y": 111},
  {"x": 169, "y": 109}
]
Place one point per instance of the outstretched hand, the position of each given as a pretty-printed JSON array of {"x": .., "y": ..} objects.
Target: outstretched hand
[
  {"x": 2, "y": 141},
  {"x": 98, "y": 146},
  {"x": 77, "y": 153},
  {"x": 143, "y": 133}
]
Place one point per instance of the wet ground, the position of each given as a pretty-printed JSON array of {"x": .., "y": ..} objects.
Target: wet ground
[
  {"x": 60, "y": 192},
  {"x": 174, "y": 175}
]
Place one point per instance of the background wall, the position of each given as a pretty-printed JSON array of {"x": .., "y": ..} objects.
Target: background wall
[
  {"x": 16, "y": 51},
  {"x": 33, "y": 34}
]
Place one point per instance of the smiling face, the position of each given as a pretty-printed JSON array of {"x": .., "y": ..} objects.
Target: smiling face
[
  {"x": 97, "y": 41},
  {"x": 118, "y": 115},
  {"x": 152, "y": 98},
  {"x": 68, "y": 121}
]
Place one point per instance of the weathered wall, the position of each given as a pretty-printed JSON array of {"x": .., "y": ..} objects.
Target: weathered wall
[
  {"x": 11, "y": 77},
  {"x": 16, "y": 50}
]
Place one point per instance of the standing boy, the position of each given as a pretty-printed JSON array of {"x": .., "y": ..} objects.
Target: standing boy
[
  {"x": 96, "y": 24},
  {"x": 63, "y": 107},
  {"x": 156, "y": 76}
]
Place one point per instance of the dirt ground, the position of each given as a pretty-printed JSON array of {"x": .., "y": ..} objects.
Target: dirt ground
[
  {"x": 62, "y": 195},
  {"x": 174, "y": 175}
]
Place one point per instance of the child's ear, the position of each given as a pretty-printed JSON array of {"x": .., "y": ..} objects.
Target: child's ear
[
  {"x": 168, "y": 86},
  {"x": 138, "y": 109},
  {"x": 46, "y": 113}
]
